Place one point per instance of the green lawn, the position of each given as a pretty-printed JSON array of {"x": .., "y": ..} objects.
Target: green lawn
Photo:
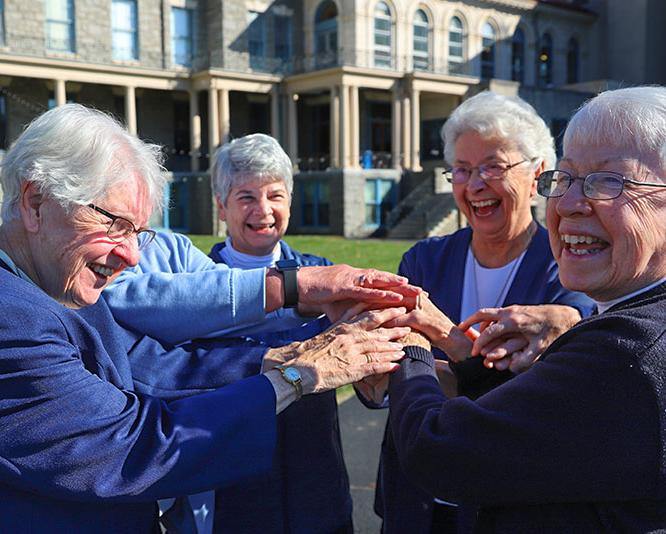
[{"x": 381, "y": 254}]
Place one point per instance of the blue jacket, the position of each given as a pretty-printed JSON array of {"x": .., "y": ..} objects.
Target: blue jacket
[
  {"x": 307, "y": 492},
  {"x": 438, "y": 266},
  {"x": 575, "y": 444},
  {"x": 87, "y": 446}
]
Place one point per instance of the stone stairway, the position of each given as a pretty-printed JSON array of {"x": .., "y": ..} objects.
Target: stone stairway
[{"x": 423, "y": 213}]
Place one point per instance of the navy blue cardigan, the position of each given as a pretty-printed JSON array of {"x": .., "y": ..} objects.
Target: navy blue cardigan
[
  {"x": 438, "y": 266},
  {"x": 87, "y": 446},
  {"x": 307, "y": 491},
  {"x": 575, "y": 444}
]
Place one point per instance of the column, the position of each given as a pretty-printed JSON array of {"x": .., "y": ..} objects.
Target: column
[
  {"x": 334, "y": 149},
  {"x": 60, "y": 93},
  {"x": 130, "y": 109},
  {"x": 344, "y": 126},
  {"x": 406, "y": 131},
  {"x": 213, "y": 124},
  {"x": 195, "y": 130},
  {"x": 354, "y": 123},
  {"x": 293, "y": 129},
  {"x": 416, "y": 130},
  {"x": 223, "y": 110},
  {"x": 275, "y": 112},
  {"x": 396, "y": 130}
]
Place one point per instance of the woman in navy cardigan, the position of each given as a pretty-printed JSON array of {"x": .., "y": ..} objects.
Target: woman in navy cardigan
[
  {"x": 502, "y": 263},
  {"x": 577, "y": 443}
]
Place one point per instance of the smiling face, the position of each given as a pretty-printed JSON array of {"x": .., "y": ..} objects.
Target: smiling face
[
  {"x": 257, "y": 215},
  {"x": 609, "y": 248},
  {"x": 497, "y": 210},
  {"x": 73, "y": 258}
]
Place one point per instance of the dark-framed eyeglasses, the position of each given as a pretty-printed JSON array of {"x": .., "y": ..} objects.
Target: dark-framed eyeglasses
[
  {"x": 121, "y": 229},
  {"x": 487, "y": 171},
  {"x": 602, "y": 185}
]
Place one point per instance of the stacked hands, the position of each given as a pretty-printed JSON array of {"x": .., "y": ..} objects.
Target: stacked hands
[{"x": 376, "y": 314}]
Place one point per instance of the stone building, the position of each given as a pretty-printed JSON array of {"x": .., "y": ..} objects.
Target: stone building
[{"x": 355, "y": 90}]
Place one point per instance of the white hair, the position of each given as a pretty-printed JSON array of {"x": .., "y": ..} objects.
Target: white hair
[
  {"x": 496, "y": 116},
  {"x": 633, "y": 119},
  {"x": 75, "y": 155},
  {"x": 248, "y": 158}
]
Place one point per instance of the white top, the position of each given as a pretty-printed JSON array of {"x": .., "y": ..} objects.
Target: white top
[
  {"x": 239, "y": 260},
  {"x": 602, "y": 306}
]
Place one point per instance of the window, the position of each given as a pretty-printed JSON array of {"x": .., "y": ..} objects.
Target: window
[
  {"x": 518, "y": 56},
  {"x": 383, "y": 36},
  {"x": 421, "y": 41},
  {"x": 60, "y": 25},
  {"x": 282, "y": 32},
  {"x": 326, "y": 34},
  {"x": 182, "y": 38},
  {"x": 124, "y": 29},
  {"x": 379, "y": 200},
  {"x": 2, "y": 23},
  {"x": 572, "y": 61},
  {"x": 545, "y": 60},
  {"x": 314, "y": 203},
  {"x": 487, "y": 51},
  {"x": 3, "y": 122},
  {"x": 256, "y": 34},
  {"x": 456, "y": 46}
]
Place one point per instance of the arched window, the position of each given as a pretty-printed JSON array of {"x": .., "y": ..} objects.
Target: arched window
[
  {"x": 383, "y": 36},
  {"x": 572, "y": 61},
  {"x": 456, "y": 46},
  {"x": 518, "y": 56},
  {"x": 487, "y": 51},
  {"x": 421, "y": 41},
  {"x": 326, "y": 34},
  {"x": 546, "y": 60}
]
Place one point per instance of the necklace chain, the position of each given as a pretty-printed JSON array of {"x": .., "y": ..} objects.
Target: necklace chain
[{"x": 507, "y": 280}]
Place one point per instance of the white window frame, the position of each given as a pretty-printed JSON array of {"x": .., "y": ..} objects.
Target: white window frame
[
  {"x": 130, "y": 31},
  {"x": 421, "y": 58},
  {"x": 456, "y": 63},
  {"x": 383, "y": 54}
]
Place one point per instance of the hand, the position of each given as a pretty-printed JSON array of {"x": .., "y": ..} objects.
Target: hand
[
  {"x": 373, "y": 387},
  {"x": 345, "y": 353},
  {"x": 437, "y": 327},
  {"x": 319, "y": 286},
  {"x": 514, "y": 337}
]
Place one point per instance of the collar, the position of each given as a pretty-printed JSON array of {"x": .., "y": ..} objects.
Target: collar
[
  {"x": 11, "y": 266},
  {"x": 605, "y": 305},
  {"x": 233, "y": 258}
]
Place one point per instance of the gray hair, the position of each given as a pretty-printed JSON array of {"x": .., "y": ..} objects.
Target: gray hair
[
  {"x": 633, "y": 118},
  {"x": 75, "y": 155},
  {"x": 500, "y": 117},
  {"x": 247, "y": 158}
]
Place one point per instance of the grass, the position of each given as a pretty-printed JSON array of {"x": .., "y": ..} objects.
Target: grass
[{"x": 381, "y": 254}]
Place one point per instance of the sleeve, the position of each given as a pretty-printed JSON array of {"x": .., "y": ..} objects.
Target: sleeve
[
  {"x": 70, "y": 434},
  {"x": 583, "y": 424},
  {"x": 178, "y": 293}
]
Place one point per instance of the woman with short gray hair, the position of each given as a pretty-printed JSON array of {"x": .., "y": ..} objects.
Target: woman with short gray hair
[{"x": 496, "y": 272}]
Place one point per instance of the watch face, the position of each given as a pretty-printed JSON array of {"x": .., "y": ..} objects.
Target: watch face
[{"x": 292, "y": 374}]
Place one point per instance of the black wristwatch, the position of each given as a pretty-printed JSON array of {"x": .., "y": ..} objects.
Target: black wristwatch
[{"x": 289, "y": 270}]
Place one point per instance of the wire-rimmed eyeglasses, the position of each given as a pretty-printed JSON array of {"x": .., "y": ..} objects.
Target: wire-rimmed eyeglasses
[
  {"x": 487, "y": 171},
  {"x": 602, "y": 185},
  {"x": 121, "y": 229}
]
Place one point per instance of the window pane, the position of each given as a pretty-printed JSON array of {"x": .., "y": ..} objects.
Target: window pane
[
  {"x": 181, "y": 34},
  {"x": 124, "y": 29}
]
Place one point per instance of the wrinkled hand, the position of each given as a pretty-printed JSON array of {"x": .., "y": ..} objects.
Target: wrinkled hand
[
  {"x": 373, "y": 387},
  {"x": 437, "y": 327},
  {"x": 345, "y": 353},
  {"x": 321, "y": 286},
  {"x": 514, "y": 337}
]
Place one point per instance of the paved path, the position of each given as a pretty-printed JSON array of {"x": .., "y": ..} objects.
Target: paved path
[{"x": 362, "y": 432}]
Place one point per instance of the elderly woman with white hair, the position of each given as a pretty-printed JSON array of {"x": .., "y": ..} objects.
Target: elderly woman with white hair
[
  {"x": 500, "y": 264},
  {"x": 97, "y": 421},
  {"x": 577, "y": 442}
]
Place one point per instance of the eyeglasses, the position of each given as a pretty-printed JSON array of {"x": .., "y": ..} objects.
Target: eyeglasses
[
  {"x": 121, "y": 229},
  {"x": 603, "y": 185},
  {"x": 487, "y": 171}
]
